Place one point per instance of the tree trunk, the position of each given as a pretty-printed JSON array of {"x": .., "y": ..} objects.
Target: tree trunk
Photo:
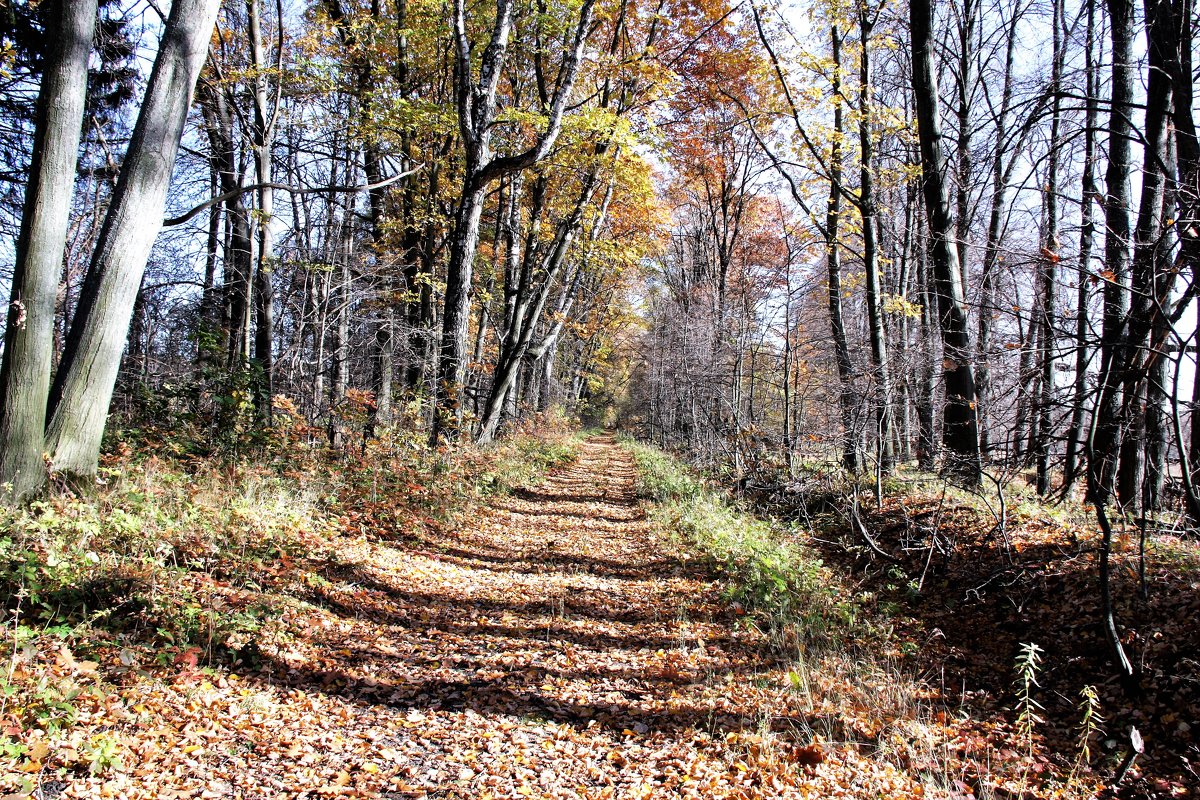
[
  {"x": 477, "y": 108},
  {"x": 960, "y": 432},
  {"x": 84, "y": 384},
  {"x": 927, "y": 450},
  {"x": 833, "y": 216},
  {"x": 1087, "y": 229},
  {"x": 264, "y": 139},
  {"x": 966, "y": 58},
  {"x": 236, "y": 250},
  {"x": 1048, "y": 272},
  {"x": 1110, "y": 417},
  {"x": 41, "y": 243},
  {"x": 1110, "y": 422},
  {"x": 870, "y": 222}
]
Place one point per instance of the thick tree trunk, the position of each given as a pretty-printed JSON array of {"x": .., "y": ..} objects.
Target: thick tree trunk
[
  {"x": 1150, "y": 279},
  {"x": 456, "y": 314},
  {"x": 960, "y": 432},
  {"x": 84, "y": 384},
  {"x": 41, "y": 243}
]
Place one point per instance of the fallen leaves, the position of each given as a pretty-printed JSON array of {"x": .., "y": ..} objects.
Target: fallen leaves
[{"x": 553, "y": 647}]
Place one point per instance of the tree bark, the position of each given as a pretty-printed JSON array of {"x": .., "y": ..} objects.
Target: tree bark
[
  {"x": 960, "y": 432},
  {"x": 833, "y": 217},
  {"x": 1048, "y": 272},
  {"x": 41, "y": 243},
  {"x": 870, "y": 222},
  {"x": 1087, "y": 229},
  {"x": 263, "y": 134},
  {"x": 87, "y": 374}
]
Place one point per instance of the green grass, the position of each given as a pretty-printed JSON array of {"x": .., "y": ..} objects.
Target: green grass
[
  {"x": 525, "y": 459},
  {"x": 764, "y": 566}
]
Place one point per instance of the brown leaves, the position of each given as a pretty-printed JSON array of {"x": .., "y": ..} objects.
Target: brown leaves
[{"x": 551, "y": 647}]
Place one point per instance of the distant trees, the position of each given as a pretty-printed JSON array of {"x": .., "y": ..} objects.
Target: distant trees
[
  {"x": 993, "y": 263},
  {"x": 329, "y": 223},
  {"x": 963, "y": 245}
]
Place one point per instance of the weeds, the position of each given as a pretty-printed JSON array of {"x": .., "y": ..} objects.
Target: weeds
[
  {"x": 848, "y": 670},
  {"x": 181, "y": 563},
  {"x": 1089, "y": 726},
  {"x": 765, "y": 571},
  {"x": 1029, "y": 660}
]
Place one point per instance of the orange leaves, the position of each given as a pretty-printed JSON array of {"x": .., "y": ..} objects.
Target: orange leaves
[
  {"x": 550, "y": 644},
  {"x": 1050, "y": 255}
]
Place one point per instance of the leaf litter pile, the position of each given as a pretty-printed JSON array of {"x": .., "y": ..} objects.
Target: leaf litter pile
[{"x": 557, "y": 643}]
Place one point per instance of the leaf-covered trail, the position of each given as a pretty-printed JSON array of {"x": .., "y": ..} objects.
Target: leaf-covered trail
[{"x": 554, "y": 647}]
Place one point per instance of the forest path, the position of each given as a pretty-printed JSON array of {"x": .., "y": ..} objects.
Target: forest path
[
  {"x": 553, "y": 648},
  {"x": 557, "y": 646}
]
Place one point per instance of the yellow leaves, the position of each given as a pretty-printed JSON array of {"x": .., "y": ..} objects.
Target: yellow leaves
[
  {"x": 898, "y": 304},
  {"x": 38, "y": 750}
]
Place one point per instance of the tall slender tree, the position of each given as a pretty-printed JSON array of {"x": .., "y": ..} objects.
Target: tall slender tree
[{"x": 960, "y": 431}]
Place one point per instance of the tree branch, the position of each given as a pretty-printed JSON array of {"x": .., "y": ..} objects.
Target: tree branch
[{"x": 283, "y": 187}]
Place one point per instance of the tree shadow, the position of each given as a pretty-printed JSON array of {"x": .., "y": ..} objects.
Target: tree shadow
[
  {"x": 559, "y": 563},
  {"x": 1044, "y": 590},
  {"x": 541, "y": 619},
  {"x": 629, "y": 709}
]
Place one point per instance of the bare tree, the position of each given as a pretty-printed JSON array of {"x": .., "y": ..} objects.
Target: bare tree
[{"x": 960, "y": 431}]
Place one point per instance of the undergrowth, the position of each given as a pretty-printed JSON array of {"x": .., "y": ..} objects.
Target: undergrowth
[
  {"x": 856, "y": 676},
  {"x": 765, "y": 570},
  {"x": 183, "y": 560}
]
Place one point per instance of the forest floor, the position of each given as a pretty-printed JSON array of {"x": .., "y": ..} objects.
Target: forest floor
[
  {"x": 555, "y": 642},
  {"x": 554, "y": 646}
]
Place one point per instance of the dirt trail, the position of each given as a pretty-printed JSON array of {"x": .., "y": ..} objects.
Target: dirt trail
[{"x": 554, "y": 647}]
